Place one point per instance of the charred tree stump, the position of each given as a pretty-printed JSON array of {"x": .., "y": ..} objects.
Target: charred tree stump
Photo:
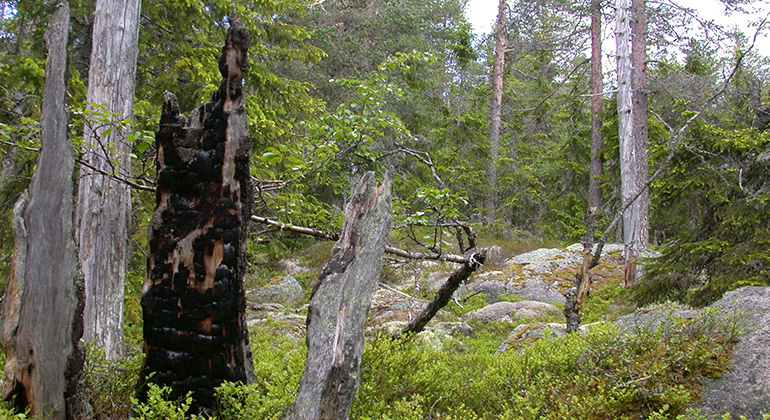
[
  {"x": 474, "y": 260},
  {"x": 339, "y": 305},
  {"x": 193, "y": 300}
]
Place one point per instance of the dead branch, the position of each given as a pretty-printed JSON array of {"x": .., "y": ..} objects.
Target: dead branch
[{"x": 332, "y": 236}]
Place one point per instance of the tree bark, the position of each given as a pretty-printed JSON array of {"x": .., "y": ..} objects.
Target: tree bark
[
  {"x": 474, "y": 261},
  {"x": 193, "y": 299},
  {"x": 42, "y": 311},
  {"x": 632, "y": 123},
  {"x": 496, "y": 106},
  {"x": 104, "y": 204},
  {"x": 576, "y": 295},
  {"x": 595, "y": 200},
  {"x": 339, "y": 305}
]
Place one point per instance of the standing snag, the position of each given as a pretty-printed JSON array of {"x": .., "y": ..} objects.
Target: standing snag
[
  {"x": 193, "y": 300},
  {"x": 43, "y": 306},
  {"x": 339, "y": 305}
]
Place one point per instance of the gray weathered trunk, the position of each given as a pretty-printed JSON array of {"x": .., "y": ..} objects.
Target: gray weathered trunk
[
  {"x": 42, "y": 321},
  {"x": 632, "y": 123},
  {"x": 193, "y": 300},
  {"x": 638, "y": 217},
  {"x": 339, "y": 305},
  {"x": 496, "y": 106},
  {"x": 597, "y": 108},
  {"x": 104, "y": 204}
]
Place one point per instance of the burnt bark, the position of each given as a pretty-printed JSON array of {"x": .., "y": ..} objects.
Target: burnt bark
[
  {"x": 339, "y": 305},
  {"x": 104, "y": 203},
  {"x": 474, "y": 260},
  {"x": 193, "y": 299},
  {"x": 42, "y": 311}
]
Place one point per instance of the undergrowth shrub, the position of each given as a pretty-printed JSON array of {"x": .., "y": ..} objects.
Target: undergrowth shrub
[
  {"x": 278, "y": 361},
  {"x": 112, "y": 383},
  {"x": 602, "y": 374}
]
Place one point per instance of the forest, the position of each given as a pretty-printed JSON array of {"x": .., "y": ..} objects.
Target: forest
[{"x": 166, "y": 162}]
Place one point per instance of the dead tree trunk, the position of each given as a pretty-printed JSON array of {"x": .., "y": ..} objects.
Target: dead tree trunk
[
  {"x": 339, "y": 305},
  {"x": 193, "y": 300},
  {"x": 577, "y": 294},
  {"x": 43, "y": 309},
  {"x": 631, "y": 30},
  {"x": 597, "y": 108},
  {"x": 496, "y": 106},
  {"x": 104, "y": 203},
  {"x": 473, "y": 262}
]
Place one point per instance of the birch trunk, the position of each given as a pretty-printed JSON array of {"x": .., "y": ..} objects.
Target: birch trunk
[
  {"x": 42, "y": 310},
  {"x": 104, "y": 204},
  {"x": 339, "y": 305}
]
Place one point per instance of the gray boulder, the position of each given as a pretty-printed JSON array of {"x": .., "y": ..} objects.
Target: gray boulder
[
  {"x": 744, "y": 390},
  {"x": 524, "y": 335},
  {"x": 451, "y": 329},
  {"x": 285, "y": 290},
  {"x": 651, "y": 319},
  {"x": 510, "y": 311}
]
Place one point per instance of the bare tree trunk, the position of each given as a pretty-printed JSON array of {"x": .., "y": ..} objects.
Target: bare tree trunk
[
  {"x": 42, "y": 322},
  {"x": 104, "y": 204},
  {"x": 632, "y": 123},
  {"x": 339, "y": 305},
  {"x": 636, "y": 223},
  {"x": 582, "y": 286},
  {"x": 193, "y": 299},
  {"x": 597, "y": 108},
  {"x": 495, "y": 114}
]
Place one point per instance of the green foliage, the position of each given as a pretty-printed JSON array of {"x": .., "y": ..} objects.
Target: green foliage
[
  {"x": 598, "y": 375},
  {"x": 716, "y": 201},
  {"x": 112, "y": 383},
  {"x": 601, "y": 374},
  {"x": 605, "y": 302},
  {"x": 159, "y": 407},
  {"x": 278, "y": 364}
]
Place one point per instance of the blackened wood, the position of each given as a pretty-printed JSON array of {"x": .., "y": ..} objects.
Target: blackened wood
[
  {"x": 193, "y": 300},
  {"x": 43, "y": 312},
  {"x": 474, "y": 260},
  {"x": 339, "y": 305}
]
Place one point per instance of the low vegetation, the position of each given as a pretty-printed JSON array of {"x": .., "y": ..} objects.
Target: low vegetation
[{"x": 601, "y": 374}]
